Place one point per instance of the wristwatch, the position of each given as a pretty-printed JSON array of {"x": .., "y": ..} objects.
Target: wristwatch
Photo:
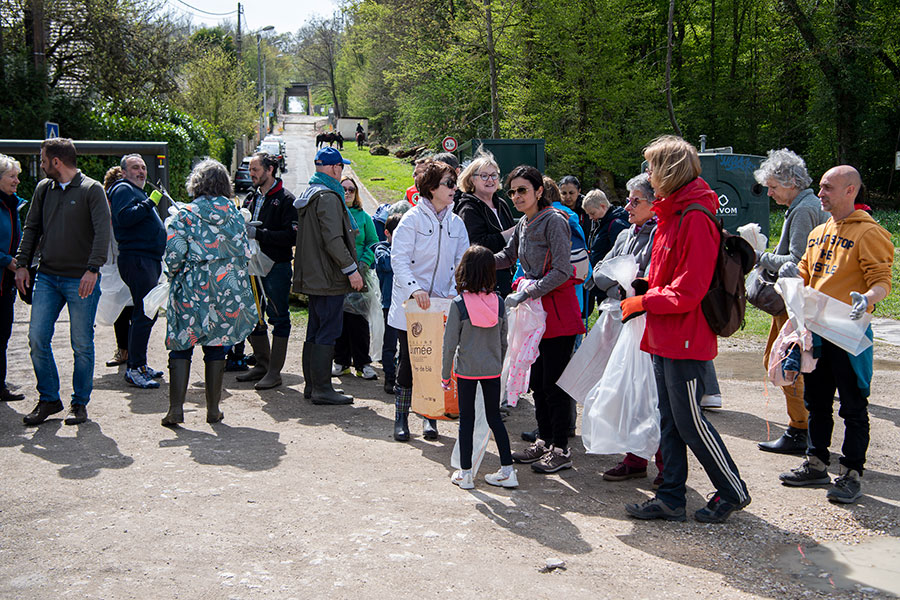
[{"x": 94, "y": 269}]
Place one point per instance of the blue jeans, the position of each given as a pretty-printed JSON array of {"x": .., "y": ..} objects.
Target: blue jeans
[
  {"x": 325, "y": 322},
  {"x": 51, "y": 293},
  {"x": 140, "y": 274},
  {"x": 277, "y": 285}
]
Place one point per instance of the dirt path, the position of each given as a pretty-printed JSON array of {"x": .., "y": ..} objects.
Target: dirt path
[{"x": 289, "y": 500}]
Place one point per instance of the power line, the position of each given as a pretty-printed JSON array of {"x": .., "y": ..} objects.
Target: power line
[{"x": 206, "y": 12}]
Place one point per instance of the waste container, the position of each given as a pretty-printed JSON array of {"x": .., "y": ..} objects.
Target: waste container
[
  {"x": 509, "y": 154},
  {"x": 741, "y": 199}
]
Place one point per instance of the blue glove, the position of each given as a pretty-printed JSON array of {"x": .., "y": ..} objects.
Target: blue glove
[
  {"x": 515, "y": 299},
  {"x": 789, "y": 269},
  {"x": 251, "y": 229},
  {"x": 860, "y": 304}
]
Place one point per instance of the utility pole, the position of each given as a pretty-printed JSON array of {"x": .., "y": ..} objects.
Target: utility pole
[{"x": 237, "y": 39}]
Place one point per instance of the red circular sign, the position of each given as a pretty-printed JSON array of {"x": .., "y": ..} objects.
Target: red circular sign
[{"x": 449, "y": 144}]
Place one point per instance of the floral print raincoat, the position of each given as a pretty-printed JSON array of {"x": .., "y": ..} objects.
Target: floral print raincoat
[{"x": 210, "y": 299}]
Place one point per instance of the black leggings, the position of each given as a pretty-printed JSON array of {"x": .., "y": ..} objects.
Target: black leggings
[
  {"x": 404, "y": 369},
  {"x": 491, "y": 390}
]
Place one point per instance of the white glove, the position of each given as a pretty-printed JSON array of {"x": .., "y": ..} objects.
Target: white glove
[
  {"x": 860, "y": 304},
  {"x": 515, "y": 299},
  {"x": 789, "y": 269}
]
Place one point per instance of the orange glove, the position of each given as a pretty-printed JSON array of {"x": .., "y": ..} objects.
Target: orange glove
[{"x": 632, "y": 307}]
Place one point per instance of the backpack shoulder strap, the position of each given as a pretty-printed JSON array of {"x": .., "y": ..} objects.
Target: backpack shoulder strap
[{"x": 704, "y": 210}]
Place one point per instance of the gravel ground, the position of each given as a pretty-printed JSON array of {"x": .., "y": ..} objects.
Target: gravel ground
[{"x": 288, "y": 500}]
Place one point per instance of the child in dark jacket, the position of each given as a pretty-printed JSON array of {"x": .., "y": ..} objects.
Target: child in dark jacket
[
  {"x": 475, "y": 336},
  {"x": 386, "y": 281}
]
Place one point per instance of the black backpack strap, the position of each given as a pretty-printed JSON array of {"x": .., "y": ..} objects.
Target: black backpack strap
[{"x": 704, "y": 210}]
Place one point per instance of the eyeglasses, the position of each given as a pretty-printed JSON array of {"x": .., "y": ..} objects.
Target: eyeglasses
[
  {"x": 449, "y": 183},
  {"x": 349, "y": 190},
  {"x": 634, "y": 201},
  {"x": 489, "y": 176},
  {"x": 519, "y": 191}
]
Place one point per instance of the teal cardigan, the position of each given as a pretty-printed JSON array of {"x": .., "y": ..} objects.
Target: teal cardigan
[{"x": 366, "y": 238}]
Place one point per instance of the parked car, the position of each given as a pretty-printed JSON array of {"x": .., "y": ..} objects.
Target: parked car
[
  {"x": 273, "y": 147},
  {"x": 242, "y": 179}
]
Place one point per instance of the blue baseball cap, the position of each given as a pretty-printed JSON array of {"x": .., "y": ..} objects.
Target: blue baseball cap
[{"x": 330, "y": 156}]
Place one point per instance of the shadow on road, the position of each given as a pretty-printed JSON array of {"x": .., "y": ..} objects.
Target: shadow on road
[{"x": 242, "y": 447}]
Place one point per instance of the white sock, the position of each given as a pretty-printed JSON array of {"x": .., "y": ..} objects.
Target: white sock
[{"x": 506, "y": 470}]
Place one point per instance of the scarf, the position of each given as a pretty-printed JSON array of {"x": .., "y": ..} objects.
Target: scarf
[{"x": 335, "y": 186}]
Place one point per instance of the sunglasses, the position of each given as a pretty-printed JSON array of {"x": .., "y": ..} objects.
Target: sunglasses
[
  {"x": 349, "y": 190},
  {"x": 519, "y": 191},
  {"x": 489, "y": 176},
  {"x": 449, "y": 183}
]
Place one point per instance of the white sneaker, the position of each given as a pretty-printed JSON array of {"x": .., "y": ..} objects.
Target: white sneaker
[
  {"x": 500, "y": 480},
  {"x": 711, "y": 401},
  {"x": 367, "y": 373},
  {"x": 462, "y": 479},
  {"x": 338, "y": 370}
]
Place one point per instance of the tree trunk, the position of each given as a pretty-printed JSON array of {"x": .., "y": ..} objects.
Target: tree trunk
[
  {"x": 492, "y": 64},
  {"x": 669, "y": 70}
]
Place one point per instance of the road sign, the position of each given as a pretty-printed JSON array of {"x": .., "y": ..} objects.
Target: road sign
[
  {"x": 449, "y": 144},
  {"x": 51, "y": 130}
]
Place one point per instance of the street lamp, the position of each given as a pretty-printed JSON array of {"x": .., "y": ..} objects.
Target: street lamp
[{"x": 260, "y": 82}]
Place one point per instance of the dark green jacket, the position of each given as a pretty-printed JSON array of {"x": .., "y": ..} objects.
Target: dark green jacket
[{"x": 326, "y": 244}]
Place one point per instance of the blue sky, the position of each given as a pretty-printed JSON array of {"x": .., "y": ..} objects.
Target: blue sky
[{"x": 286, "y": 17}]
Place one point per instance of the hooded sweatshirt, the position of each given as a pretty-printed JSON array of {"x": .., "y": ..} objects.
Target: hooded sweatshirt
[
  {"x": 681, "y": 268},
  {"x": 475, "y": 335},
  {"x": 850, "y": 255}
]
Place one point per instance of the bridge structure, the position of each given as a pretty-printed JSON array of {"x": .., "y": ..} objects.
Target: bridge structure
[{"x": 301, "y": 90}]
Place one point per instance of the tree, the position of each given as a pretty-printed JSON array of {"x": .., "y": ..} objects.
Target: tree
[
  {"x": 317, "y": 45},
  {"x": 214, "y": 90}
]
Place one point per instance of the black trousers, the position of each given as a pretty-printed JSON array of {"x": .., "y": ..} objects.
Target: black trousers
[
  {"x": 122, "y": 326},
  {"x": 404, "y": 369},
  {"x": 491, "y": 390},
  {"x": 7, "y": 310},
  {"x": 352, "y": 346},
  {"x": 834, "y": 372},
  {"x": 551, "y": 404}
]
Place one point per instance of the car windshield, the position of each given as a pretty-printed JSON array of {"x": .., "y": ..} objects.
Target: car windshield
[{"x": 270, "y": 147}]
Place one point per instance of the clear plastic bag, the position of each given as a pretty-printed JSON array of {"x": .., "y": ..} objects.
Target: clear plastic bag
[
  {"x": 621, "y": 412},
  {"x": 824, "y": 315},
  {"x": 114, "y": 295},
  {"x": 156, "y": 299},
  {"x": 260, "y": 264},
  {"x": 526, "y": 324}
]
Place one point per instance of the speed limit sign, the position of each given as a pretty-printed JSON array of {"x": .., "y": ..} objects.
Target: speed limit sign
[{"x": 449, "y": 144}]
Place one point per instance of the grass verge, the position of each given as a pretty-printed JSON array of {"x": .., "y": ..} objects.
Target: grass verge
[{"x": 385, "y": 177}]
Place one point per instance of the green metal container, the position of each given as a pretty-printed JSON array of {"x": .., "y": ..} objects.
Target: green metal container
[{"x": 741, "y": 199}]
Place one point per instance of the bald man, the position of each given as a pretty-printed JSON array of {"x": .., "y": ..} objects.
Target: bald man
[{"x": 849, "y": 258}]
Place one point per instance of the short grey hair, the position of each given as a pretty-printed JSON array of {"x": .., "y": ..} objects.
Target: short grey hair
[
  {"x": 400, "y": 207},
  {"x": 209, "y": 178},
  {"x": 785, "y": 167},
  {"x": 124, "y": 162},
  {"x": 641, "y": 183},
  {"x": 594, "y": 199},
  {"x": 7, "y": 163}
]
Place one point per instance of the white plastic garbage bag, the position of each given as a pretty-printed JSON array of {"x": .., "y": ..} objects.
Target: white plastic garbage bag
[
  {"x": 114, "y": 295},
  {"x": 375, "y": 315},
  {"x": 621, "y": 412},
  {"x": 526, "y": 324},
  {"x": 587, "y": 365},
  {"x": 824, "y": 315},
  {"x": 480, "y": 437},
  {"x": 156, "y": 299},
  {"x": 753, "y": 234}
]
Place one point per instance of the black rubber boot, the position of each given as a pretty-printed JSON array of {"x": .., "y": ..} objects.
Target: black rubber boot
[
  {"x": 530, "y": 436},
  {"x": 307, "y": 379},
  {"x": 261, "y": 351},
  {"x": 214, "y": 374},
  {"x": 276, "y": 363},
  {"x": 402, "y": 401},
  {"x": 389, "y": 383},
  {"x": 179, "y": 374},
  {"x": 320, "y": 358},
  {"x": 401, "y": 427},
  {"x": 793, "y": 441},
  {"x": 429, "y": 429}
]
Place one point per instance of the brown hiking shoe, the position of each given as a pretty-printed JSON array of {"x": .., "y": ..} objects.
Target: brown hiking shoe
[
  {"x": 555, "y": 460},
  {"x": 531, "y": 454}
]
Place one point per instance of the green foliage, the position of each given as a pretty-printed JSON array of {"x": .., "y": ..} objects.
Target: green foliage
[
  {"x": 385, "y": 177},
  {"x": 188, "y": 138}
]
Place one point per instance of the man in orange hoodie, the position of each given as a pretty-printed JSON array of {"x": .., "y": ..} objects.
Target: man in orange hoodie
[{"x": 848, "y": 258}]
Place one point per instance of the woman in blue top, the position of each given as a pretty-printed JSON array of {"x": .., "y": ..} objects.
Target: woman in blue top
[
  {"x": 352, "y": 347},
  {"x": 10, "y": 231}
]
